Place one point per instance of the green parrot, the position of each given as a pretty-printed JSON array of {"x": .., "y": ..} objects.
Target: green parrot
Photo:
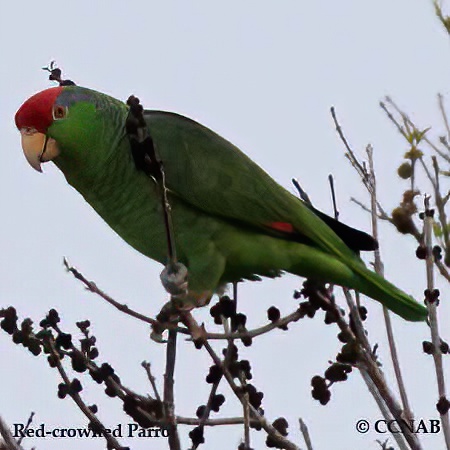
[{"x": 231, "y": 220}]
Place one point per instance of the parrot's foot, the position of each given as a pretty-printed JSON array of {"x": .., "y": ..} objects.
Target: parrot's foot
[
  {"x": 178, "y": 310},
  {"x": 191, "y": 300},
  {"x": 174, "y": 278}
]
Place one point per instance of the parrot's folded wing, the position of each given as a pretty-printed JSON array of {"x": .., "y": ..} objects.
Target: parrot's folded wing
[{"x": 210, "y": 173}]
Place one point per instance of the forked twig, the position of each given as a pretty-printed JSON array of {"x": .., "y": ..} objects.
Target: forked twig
[{"x": 409, "y": 122}]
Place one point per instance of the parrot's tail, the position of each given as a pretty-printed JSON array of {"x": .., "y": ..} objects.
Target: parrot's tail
[
  {"x": 315, "y": 264},
  {"x": 376, "y": 287}
]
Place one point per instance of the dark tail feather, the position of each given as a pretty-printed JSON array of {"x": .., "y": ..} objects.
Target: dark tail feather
[{"x": 355, "y": 239}]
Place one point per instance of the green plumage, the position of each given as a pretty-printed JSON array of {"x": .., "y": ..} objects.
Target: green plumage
[{"x": 222, "y": 203}]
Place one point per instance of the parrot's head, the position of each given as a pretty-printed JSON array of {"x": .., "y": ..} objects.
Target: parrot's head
[{"x": 69, "y": 125}]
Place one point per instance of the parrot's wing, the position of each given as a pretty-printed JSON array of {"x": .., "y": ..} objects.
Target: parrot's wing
[{"x": 210, "y": 173}]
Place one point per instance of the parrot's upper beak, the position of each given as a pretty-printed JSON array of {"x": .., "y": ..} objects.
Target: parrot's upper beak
[{"x": 38, "y": 148}]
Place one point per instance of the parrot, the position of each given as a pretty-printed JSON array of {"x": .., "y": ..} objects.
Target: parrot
[{"x": 231, "y": 220}]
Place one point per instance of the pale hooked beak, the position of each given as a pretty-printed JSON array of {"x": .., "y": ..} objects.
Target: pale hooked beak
[{"x": 38, "y": 148}]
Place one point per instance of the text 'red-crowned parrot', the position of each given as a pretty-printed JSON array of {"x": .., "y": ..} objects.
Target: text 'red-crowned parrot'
[{"x": 231, "y": 220}]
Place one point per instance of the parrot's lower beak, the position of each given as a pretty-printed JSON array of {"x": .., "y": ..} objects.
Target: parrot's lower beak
[{"x": 38, "y": 148}]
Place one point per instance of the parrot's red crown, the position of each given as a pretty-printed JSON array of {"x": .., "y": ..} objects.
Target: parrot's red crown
[{"x": 36, "y": 112}]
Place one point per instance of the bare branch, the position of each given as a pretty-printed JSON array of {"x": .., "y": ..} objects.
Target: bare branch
[
  {"x": 281, "y": 440},
  {"x": 432, "y": 313},
  {"x": 213, "y": 422},
  {"x": 368, "y": 363},
  {"x": 369, "y": 180},
  {"x": 305, "y": 433},
  {"x": 293, "y": 317},
  {"x": 378, "y": 265},
  {"x": 174, "y": 439},
  {"x": 93, "y": 419},
  {"x": 92, "y": 287},
  {"x": 440, "y": 204},
  {"x": 9, "y": 441},
  {"x": 444, "y": 114}
]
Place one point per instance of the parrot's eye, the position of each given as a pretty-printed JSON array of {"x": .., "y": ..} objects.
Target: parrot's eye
[{"x": 59, "y": 112}]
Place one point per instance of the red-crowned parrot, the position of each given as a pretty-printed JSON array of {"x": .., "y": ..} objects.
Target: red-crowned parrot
[{"x": 231, "y": 220}]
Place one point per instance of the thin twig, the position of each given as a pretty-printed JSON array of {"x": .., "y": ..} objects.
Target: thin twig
[
  {"x": 305, "y": 433},
  {"x": 146, "y": 365},
  {"x": 112, "y": 442},
  {"x": 333, "y": 196},
  {"x": 370, "y": 365},
  {"x": 246, "y": 409},
  {"x": 381, "y": 394},
  {"x": 340, "y": 131},
  {"x": 9, "y": 441},
  {"x": 393, "y": 120},
  {"x": 442, "y": 269},
  {"x": 408, "y": 121},
  {"x": 440, "y": 204},
  {"x": 374, "y": 379},
  {"x": 301, "y": 192},
  {"x": 378, "y": 266},
  {"x": 418, "y": 236},
  {"x": 432, "y": 313},
  {"x": 92, "y": 287},
  {"x": 169, "y": 407},
  {"x": 369, "y": 180},
  {"x": 27, "y": 425},
  {"x": 444, "y": 114},
  {"x": 428, "y": 173},
  {"x": 213, "y": 422},
  {"x": 120, "y": 390},
  {"x": 215, "y": 385},
  {"x": 281, "y": 440},
  {"x": 382, "y": 214},
  {"x": 293, "y": 317}
]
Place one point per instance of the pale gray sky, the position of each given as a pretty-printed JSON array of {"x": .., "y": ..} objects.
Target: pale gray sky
[{"x": 263, "y": 75}]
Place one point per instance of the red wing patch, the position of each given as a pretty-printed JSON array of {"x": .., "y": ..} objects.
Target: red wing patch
[{"x": 284, "y": 227}]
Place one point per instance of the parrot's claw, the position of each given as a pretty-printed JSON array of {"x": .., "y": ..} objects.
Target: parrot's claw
[{"x": 174, "y": 278}]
